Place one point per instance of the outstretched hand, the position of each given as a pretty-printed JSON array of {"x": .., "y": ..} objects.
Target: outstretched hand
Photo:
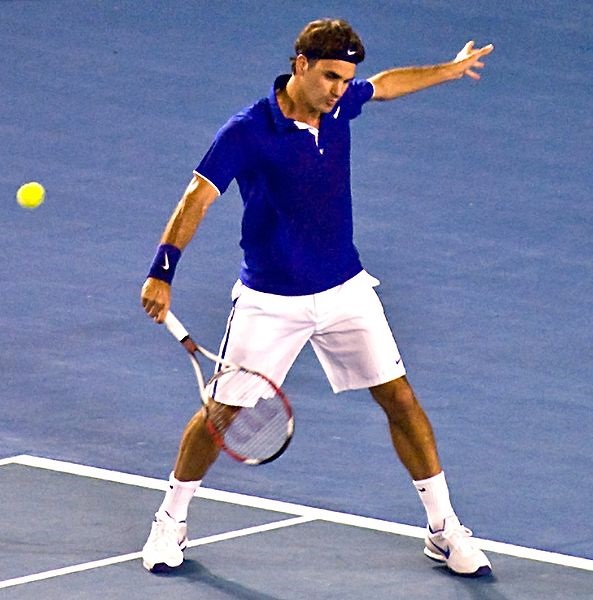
[{"x": 468, "y": 59}]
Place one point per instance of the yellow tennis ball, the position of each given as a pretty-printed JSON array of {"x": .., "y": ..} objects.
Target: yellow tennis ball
[{"x": 30, "y": 195}]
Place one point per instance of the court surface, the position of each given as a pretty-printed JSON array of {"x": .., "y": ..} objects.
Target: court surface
[
  {"x": 472, "y": 206},
  {"x": 85, "y": 545}
]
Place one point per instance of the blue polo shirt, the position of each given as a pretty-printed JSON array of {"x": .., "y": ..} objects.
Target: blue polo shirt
[{"x": 297, "y": 231}]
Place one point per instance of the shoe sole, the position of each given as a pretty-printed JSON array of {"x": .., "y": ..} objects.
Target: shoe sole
[
  {"x": 434, "y": 556},
  {"x": 160, "y": 567},
  {"x": 165, "y": 567},
  {"x": 482, "y": 571}
]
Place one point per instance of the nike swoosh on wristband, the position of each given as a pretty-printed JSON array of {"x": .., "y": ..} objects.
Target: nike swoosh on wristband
[{"x": 166, "y": 265}]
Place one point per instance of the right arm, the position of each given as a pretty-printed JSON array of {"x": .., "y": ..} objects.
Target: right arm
[{"x": 180, "y": 229}]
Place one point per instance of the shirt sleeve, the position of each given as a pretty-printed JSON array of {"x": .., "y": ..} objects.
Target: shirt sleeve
[
  {"x": 225, "y": 158},
  {"x": 359, "y": 92}
]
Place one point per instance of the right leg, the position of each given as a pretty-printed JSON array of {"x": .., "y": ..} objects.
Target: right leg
[
  {"x": 197, "y": 452},
  {"x": 264, "y": 332}
]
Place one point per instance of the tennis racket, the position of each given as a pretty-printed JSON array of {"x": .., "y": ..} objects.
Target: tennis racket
[{"x": 247, "y": 414}]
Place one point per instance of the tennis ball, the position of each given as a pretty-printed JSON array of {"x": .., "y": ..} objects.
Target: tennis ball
[{"x": 30, "y": 195}]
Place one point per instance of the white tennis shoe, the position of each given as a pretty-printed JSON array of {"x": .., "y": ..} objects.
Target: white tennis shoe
[
  {"x": 165, "y": 545},
  {"x": 453, "y": 546}
]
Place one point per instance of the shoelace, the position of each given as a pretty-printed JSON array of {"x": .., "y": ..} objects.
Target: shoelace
[
  {"x": 457, "y": 536},
  {"x": 165, "y": 534}
]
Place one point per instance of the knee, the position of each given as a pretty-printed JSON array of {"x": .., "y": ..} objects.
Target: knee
[{"x": 395, "y": 397}]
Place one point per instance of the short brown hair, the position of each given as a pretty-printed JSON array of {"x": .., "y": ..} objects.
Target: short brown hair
[{"x": 329, "y": 39}]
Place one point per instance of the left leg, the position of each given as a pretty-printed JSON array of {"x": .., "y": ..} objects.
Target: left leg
[
  {"x": 357, "y": 350},
  {"x": 413, "y": 439},
  {"x": 410, "y": 429}
]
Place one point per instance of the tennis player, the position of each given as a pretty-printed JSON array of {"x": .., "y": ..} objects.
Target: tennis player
[{"x": 301, "y": 279}]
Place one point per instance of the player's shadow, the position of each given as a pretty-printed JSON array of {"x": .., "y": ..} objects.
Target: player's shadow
[
  {"x": 480, "y": 588},
  {"x": 194, "y": 571}
]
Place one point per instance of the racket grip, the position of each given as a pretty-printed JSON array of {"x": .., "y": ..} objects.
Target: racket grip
[{"x": 176, "y": 329}]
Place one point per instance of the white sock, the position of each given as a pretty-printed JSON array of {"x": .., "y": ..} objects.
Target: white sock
[
  {"x": 177, "y": 499},
  {"x": 434, "y": 494}
]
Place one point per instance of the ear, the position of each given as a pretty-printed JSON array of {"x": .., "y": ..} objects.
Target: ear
[{"x": 301, "y": 64}]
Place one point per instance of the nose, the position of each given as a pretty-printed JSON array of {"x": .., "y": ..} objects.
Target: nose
[{"x": 338, "y": 89}]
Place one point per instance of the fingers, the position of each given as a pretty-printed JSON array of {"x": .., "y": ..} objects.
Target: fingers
[
  {"x": 156, "y": 299},
  {"x": 154, "y": 309},
  {"x": 486, "y": 49},
  {"x": 469, "y": 52},
  {"x": 465, "y": 52},
  {"x": 471, "y": 73},
  {"x": 475, "y": 76},
  {"x": 471, "y": 56}
]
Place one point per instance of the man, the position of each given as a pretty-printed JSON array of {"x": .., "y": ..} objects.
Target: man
[{"x": 301, "y": 279}]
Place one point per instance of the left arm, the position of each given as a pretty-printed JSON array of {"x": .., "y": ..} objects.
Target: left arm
[{"x": 406, "y": 80}]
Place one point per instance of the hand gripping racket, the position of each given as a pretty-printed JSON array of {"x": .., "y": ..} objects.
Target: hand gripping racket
[{"x": 247, "y": 414}]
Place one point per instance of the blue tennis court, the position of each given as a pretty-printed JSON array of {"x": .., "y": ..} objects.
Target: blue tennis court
[
  {"x": 471, "y": 206},
  {"x": 247, "y": 547}
]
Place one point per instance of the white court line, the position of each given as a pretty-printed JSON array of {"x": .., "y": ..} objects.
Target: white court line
[
  {"x": 106, "y": 562},
  {"x": 220, "y": 496},
  {"x": 311, "y": 513}
]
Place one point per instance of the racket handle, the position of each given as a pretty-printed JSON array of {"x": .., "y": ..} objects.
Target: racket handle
[{"x": 176, "y": 329}]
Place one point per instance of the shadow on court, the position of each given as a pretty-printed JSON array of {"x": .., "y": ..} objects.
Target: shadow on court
[{"x": 193, "y": 571}]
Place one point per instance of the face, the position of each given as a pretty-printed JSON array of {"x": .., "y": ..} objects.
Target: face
[{"x": 323, "y": 82}]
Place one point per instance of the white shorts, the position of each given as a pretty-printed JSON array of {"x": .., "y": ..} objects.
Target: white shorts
[{"x": 346, "y": 326}]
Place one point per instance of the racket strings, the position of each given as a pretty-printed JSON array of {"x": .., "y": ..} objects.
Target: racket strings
[
  {"x": 260, "y": 429},
  {"x": 258, "y": 432}
]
